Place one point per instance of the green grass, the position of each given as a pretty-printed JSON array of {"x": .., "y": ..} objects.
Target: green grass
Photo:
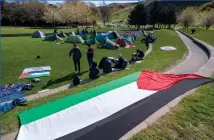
[
  {"x": 20, "y": 52},
  {"x": 192, "y": 119},
  {"x": 121, "y": 16},
  {"x": 158, "y": 60},
  {"x": 202, "y": 34}
]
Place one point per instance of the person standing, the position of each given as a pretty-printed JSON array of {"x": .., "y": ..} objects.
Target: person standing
[
  {"x": 90, "y": 55},
  {"x": 77, "y": 55}
]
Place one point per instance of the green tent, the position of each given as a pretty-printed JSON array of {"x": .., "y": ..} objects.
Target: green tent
[
  {"x": 74, "y": 39},
  {"x": 71, "y": 33},
  {"x": 53, "y": 37}
]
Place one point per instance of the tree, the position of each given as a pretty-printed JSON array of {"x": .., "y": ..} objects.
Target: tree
[
  {"x": 207, "y": 18},
  {"x": 34, "y": 11},
  {"x": 154, "y": 13},
  {"x": 105, "y": 13},
  {"x": 138, "y": 16},
  {"x": 51, "y": 15},
  {"x": 187, "y": 17},
  {"x": 168, "y": 15}
]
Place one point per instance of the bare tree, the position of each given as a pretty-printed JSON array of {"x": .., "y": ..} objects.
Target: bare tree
[
  {"x": 187, "y": 17},
  {"x": 52, "y": 15},
  {"x": 34, "y": 11},
  {"x": 207, "y": 18},
  {"x": 105, "y": 13}
]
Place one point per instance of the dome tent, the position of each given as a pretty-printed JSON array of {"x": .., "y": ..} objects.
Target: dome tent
[
  {"x": 53, "y": 37},
  {"x": 38, "y": 34},
  {"x": 108, "y": 44},
  {"x": 101, "y": 37},
  {"x": 74, "y": 39},
  {"x": 124, "y": 43},
  {"x": 61, "y": 34},
  {"x": 112, "y": 35}
]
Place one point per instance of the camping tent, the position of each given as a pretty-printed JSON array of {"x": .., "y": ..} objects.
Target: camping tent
[
  {"x": 61, "y": 34},
  {"x": 112, "y": 35},
  {"x": 128, "y": 37},
  {"x": 53, "y": 37},
  {"x": 109, "y": 44},
  {"x": 101, "y": 37},
  {"x": 74, "y": 39},
  {"x": 71, "y": 33},
  {"x": 124, "y": 43},
  {"x": 38, "y": 34}
]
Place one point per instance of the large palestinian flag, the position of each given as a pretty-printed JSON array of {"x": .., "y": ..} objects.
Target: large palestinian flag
[
  {"x": 108, "y": 111},
  {"x": 35, "y": 72}
]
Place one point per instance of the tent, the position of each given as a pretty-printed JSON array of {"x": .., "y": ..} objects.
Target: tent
[
  {"x": 128, "y": 37},
  {"x": 124, "y": 43},
  {"x": 112, "y": 35},
  {"x": 61, "y": 34},
  {"x": 74, "y": 39},
  {"x": 91, "y": 40},
  {"x": 71, "y": 33},
  {"x": 101, "y": 37},
  {"x": 53, "y": 37},
  {"x": 109, "y": 44},
  {"x": 38, "y": 34}
]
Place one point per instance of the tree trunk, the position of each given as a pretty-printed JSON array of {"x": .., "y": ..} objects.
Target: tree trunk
[
  {"x": 138, "y": 27},
  {"x": 11, "y": 23},
  {"x": 34, "y": 22},
  {"x": 15, "y": 23}
]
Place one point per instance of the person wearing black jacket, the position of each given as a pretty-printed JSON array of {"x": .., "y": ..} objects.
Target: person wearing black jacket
[
  {"x": 94, "y": 71},
  {"x": 90, "y": 54},
  {"x": 76, "y": 54}
]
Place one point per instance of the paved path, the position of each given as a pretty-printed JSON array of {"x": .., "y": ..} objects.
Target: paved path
[{"x": 195, "y": 59}]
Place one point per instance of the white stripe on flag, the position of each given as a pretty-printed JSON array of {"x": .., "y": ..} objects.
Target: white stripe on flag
[
  {"x": 83, "y": 114},
  {"x": 32, "y": 69},
  {"x": 35, "y": 74}
]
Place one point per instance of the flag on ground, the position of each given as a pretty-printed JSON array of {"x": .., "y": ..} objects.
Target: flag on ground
[
  {"x": 107, "y": 111},
  {"x": 35, "y": 72}
]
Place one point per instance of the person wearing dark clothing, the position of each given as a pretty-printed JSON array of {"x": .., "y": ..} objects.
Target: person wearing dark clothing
[
  {"x": 90, "y": 54},
  {"x": 94, "y": 32},
  {"x": 107, "y": 66},
  {"x": 140, "y": 54},
  {"x": 122, "y": 63},
  {"x": 55, "y": 31},
  {"x": 101, "y": 64},
  {"x": 76, "y": 80},
  {"x": 94, "y": 71},
  {"x": 76, "y": 53}
]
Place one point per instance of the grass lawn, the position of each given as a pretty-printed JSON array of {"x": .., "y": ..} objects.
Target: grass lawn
[
  {"x": 62, "y": 66},
  {"x": 20, "y": 52},
  {"x": 202, "y": 34},
  {"x": 13, "y": 30},
  {"x": 192, "y": 119}
]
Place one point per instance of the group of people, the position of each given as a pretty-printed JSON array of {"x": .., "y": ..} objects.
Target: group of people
[{"x": 106, "y": 63}]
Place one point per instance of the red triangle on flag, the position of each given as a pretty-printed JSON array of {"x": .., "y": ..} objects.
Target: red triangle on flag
[{"x": 24, "y": 75}]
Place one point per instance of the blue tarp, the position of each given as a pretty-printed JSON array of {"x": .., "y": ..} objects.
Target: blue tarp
[{"x": 12, "y": 93}]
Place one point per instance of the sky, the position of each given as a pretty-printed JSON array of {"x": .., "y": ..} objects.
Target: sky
[{"x": 98, "y": 2}]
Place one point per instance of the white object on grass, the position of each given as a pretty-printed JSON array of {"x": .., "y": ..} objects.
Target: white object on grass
[{"x": 168, "y": 48}]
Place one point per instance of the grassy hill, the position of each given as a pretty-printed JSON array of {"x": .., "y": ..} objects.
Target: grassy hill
[{"x": 120, "y": 12}]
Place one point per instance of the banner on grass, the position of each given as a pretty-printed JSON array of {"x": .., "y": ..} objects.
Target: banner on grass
[{"x": 35, "y": 72}]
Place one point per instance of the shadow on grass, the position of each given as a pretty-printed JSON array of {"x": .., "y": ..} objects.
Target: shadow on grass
[{"x": 68, "y": 77}]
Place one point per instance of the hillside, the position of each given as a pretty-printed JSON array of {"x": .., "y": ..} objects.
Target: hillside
[{"x": 120, "y": 15}]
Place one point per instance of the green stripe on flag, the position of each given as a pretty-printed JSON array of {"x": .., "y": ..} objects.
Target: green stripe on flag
[
  {"x": 37, "y": 76},
  {"x": 64, "y": 103}
]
